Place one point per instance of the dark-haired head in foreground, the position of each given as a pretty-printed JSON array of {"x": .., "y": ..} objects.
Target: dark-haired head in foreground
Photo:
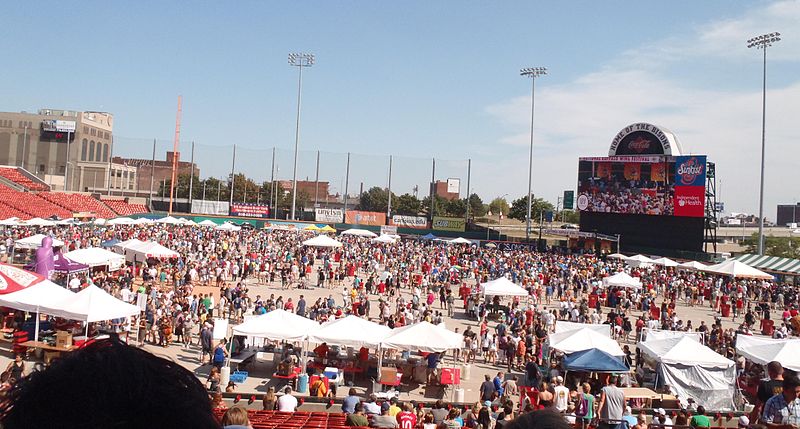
[
  {"x": 541, "y": 419},
  {"x": 109, "y": 384}
]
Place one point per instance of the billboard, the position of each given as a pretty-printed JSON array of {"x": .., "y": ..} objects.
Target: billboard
[
  {"x": 646, "y": 185},
  {"x": 328, "y": 215},
  {"x": 249, "y": 210},
  {"x": 449, "y": 223},
  {"x": 357, "y": 217},
  {"x": 58, "y": 126},
  {"x": 402, "y": 221},
  {"x": 569, "y": 200},
  {"x": 453, "y": 186}
]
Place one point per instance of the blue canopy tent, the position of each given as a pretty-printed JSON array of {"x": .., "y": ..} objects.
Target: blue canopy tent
[
  {"x": 594, "y": 360},
  {"x": 109, "y": 243},
  {"x": 428, "y": 237}
]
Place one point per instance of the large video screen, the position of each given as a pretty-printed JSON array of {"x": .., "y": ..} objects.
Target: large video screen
[{"x": 643, "y": 185}]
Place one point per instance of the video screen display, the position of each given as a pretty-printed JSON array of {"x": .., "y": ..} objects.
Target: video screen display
[{"x": 642, "y": 185}]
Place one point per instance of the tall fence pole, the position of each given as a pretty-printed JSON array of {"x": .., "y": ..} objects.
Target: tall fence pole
[
  {"x": 233, "y": 176},
  {"x": 389, "y": 205},
  {"x": 346, "y": 182}
]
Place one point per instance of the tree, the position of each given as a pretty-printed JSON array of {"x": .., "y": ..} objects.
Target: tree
[
  {"x": 456, "y": 208},
  {"x": 407, "y": 205},
  {"x": 374, "y": 200},
  {"x": 499, "y": 205},
  {"x": 476, "y": 206},
  {"x": 439, "y": 205},
  {"x": 571, "y": 216},
  {"x": 519, "y": 208},
  {"x": 784, "y": 247}
]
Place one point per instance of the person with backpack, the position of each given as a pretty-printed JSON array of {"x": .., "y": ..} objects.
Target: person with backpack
[{"x": 585, "y": 407}]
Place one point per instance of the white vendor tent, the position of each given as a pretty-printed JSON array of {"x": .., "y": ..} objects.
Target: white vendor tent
[
  {"x": 227, "y": 226},
  {"x": 460, "y": 240},
  {"x": 655, "y": 335},
  {"x": 121, "y": 221},
  {"x": 322, "y": 241},
  {"x": 622, "y": 279},
  {"x": 207, "y": 222},
  {"x": 99, "y": 221},
  {"x": 32, "y": 298},
  {"x": 502, "y": 287},
  {"x": 351, "y": 331},
  {"x": 148, "y": 249},
  {"x": 169, "y": 220},
  {"x": 692, "y": 266},
  {"x": 96, "y": 256},
  {"x": 665, "y": 262},
  {"x": 692, "y": 370},
  {"x": 143, "y": 221},
  {"x": 37, "y": 221},
  {"x": 584, "y": 339},
  {"x": 35, "y": 242},
  {"x": 423, "y": 336},
  {"x": 383, "y": 238},
  {"x": 565, "y": 326},
  {"x": 639, "y": 260},
  {"x": 277, "y": 325},
  {"x": 763, "y": 350},
  {"x": 122, "y": 245},
  {"x": 92, "y": 304},
  {"x": 360, "y": 232},
  {"x": 738, "y": 270},
  {"x": 617, "y": 256}
]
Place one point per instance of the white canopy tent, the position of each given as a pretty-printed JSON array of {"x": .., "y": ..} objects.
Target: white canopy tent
[
  {"x": 360, "y": 232},
  {"x": 168, "y": 220},
  {"x": 502, "y": 287},
  {"x": 33, "y": 298},
  {"x": 96, "y": 257},
  {"x": 383, "y": 238},
  {"x": 322, "y": 241},
  {"x": 622, "y": 279},
  {"x": 763, "y": 350},
  {"x": 692, "y": 266},
  {"x": 584, "y": 339},
  {"x": 277, "y": 325},
  {"x": 565, "y": 326},
  {"x": 143, "y": 221},
  {"x": 738, "y": 270},
  {"x": 692, "y": 370},
  {"x": 655, "y": 335},
  {"x": 92, "y": 304},
  {"x": 227, "y": 226},
  {"x": 422, "y": 336},
  {"x": 120, "y": 221},
  {"x": 100, "y": 221},
  {"x": 12, "y": 221},
  {"x": 665, "y": 262},
  {"x": 35, "y": 242},
  {"x": 460, "y": 240},
  {"x": 617, "y": 256},
  {"x": 207, "y": 222},
  {"x": 148, "y": 249},
  {"x": 351, "y": 331},
  {"x": 37, "y": 221},
  {"x": 639, "y": 260},
  {"x": 122, "y": 245}
]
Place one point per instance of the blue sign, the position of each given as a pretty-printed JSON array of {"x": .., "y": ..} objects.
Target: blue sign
[{"x": 690, "y": 170}]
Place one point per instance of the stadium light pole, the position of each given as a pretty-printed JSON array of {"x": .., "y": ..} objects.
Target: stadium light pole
[
  {"x": 763, "y": 42},
  {"x": 533, "y": 73},
  {"x": 298, "y": 60}
]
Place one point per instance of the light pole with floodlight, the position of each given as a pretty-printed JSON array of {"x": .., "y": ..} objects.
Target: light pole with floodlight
[
  {"x": 762, "y": 42},
  {"x": 298, "y": 60},
  {"x": 533, "y": 73}
]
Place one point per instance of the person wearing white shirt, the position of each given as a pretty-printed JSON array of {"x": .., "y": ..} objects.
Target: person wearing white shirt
[
  {"x": 75, "y": 283},
  {"x": 287, "y": 402},
  {"x": 561, "y": 395}
]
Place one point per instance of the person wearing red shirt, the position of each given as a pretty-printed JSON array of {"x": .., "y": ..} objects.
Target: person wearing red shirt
[{"x": 406, "y": 418}]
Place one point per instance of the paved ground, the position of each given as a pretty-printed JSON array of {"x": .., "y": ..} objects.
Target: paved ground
[{"x": 258, "y": 381}]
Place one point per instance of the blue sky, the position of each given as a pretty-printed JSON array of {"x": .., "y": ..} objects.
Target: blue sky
[{"x": 419, "y": 80}]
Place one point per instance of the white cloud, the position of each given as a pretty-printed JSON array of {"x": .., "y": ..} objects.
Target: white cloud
[{"x": 581, "y": 117}]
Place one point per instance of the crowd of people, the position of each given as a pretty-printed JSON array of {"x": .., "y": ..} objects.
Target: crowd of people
[{"x": 414, "y": 280}]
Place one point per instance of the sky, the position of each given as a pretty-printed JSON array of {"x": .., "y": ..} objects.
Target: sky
[{"x": 420, "y": 80}]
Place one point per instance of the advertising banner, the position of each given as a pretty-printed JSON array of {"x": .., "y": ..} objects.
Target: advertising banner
[
  {"x": 449, "y": 224},
  {"x": 388, "y": 230},
  {"x": 357, "y": 217},
  {"x": 690, "y": 171},
  {"x": 55, "y": 125},
  {"x": 569, "y": 200},
  {"x": 328, "y": 215},
  {"x": 402, "y": 221},
  {"x": 210, "y": 207},
  {"x": 453, "y": 186},
  {"x": 690, "y": 186},
  {"x": 690, "y": 201},
  {"x": 249, "y": 210}
]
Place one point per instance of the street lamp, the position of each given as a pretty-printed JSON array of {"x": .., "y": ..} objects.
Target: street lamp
[
  {"x": 298, "y": 60},
  {"x": 533, "y": 73},
  {"x": 762, "y": 42}
]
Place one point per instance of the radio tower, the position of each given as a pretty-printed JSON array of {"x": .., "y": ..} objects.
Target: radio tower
[{"x": 175, "y": 155}]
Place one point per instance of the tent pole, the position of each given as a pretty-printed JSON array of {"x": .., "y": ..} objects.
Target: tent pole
[
  {"x": 380, "y": 362},
  {"x": 87, "y": 330},
  {"x": 304, "y": 356},
  {"x": 36, "y": 332}
]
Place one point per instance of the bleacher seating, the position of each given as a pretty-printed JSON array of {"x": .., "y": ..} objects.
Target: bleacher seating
[
  {"x": 13, "y": 174},
  {"x": 32, "y": 204},
  {"x": 123, "y": 208},
  {"x": 7, "y": 211},
  {"x": 79, "y": 203},
  {"x": 296, "y": 420}
]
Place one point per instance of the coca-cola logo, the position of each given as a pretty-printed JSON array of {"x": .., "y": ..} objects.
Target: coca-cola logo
[
  {"x": 689, "y": 171},
  {"x": 639, "y": 145}
]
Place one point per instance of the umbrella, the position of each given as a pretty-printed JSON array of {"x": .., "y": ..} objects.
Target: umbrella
[
  {"x": 312, "y": 227},
  {"x": 428, "y": 236},
  {"x": 13, "y": 279},
  {"x": 327, "y": 228}
]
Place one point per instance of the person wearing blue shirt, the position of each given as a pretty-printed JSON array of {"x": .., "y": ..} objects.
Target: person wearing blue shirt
[
  {"x": 498, "y": 383},
  {"x": 433, "y": 362},
  {"x": 350, "y": 401}
]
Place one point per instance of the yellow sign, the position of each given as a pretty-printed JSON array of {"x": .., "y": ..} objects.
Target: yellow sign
[{"x": 449, "y": 223}]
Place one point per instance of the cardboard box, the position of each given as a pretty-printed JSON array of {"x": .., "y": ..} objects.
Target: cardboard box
[{"x": 63, "y": 339}]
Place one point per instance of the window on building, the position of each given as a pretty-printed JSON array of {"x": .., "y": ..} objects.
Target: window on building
[
  {"x": 93, "y": 132},
  {"x": 91, "y": 150},
  {"x": 84, "y": 143},
  {"x": 98, "y": 154},
  {"x": 105, "y": 135},
  {"x": 85, "y": 129},
  {"x": 105, "y": 153}
]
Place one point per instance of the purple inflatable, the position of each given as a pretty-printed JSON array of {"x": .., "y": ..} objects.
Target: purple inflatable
[{"x": 45, "y": 259}]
